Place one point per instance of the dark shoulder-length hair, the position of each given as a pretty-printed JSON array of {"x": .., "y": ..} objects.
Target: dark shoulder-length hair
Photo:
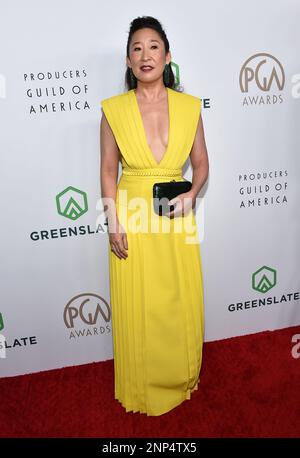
[{"x": 140, "y": 23}]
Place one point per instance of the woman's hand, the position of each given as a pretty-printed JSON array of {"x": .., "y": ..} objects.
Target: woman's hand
[
  {"x": 118, "y": 241},
  {"x": 184, "y": 202}
]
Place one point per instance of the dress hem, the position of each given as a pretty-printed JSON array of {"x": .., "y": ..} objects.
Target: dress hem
[{"x": 186, "y": 396}]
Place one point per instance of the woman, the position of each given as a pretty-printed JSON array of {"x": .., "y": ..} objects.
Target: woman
[{"x": 156, "y": 287}]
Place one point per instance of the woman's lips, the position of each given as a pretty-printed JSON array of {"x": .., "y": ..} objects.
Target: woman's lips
[{"x": 146, "y": 68}]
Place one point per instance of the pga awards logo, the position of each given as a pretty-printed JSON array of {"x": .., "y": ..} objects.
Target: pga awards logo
[
  {"x": 262, "y": 77},
  {"x": 86, "y": 315}
]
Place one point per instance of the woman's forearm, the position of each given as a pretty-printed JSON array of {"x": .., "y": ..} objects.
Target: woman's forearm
[
  {"x": 108, "y": 194},
  {"x": 200, "y": 175}
]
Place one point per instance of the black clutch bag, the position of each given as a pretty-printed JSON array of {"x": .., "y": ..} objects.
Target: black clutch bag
[{"x": 165, "y": 191}]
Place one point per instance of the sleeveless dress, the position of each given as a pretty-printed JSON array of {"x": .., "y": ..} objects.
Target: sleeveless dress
[{"x": 156, "y": 293}]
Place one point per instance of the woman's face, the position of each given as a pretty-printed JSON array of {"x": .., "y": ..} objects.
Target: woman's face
[{"x": 147, "y": 48}]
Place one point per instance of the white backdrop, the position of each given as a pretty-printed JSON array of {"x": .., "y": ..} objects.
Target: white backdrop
[{"x": 58, "y": 60}]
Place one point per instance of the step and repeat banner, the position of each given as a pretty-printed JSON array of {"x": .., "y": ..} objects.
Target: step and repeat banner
[{"x": 58, "y": 61}]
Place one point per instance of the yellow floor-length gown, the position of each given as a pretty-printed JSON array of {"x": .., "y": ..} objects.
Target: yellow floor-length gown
[{"x": 156, "y": 293}]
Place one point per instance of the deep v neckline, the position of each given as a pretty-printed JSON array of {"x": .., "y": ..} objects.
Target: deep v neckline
[{"x": 152, "y": 157}]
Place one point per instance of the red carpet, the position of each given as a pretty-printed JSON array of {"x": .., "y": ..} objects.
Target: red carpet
[{"x": 249, "y": 388}]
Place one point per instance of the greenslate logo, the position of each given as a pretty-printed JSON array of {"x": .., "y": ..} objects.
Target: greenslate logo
[
  {"x": 1, "y": 322},
  {"x": 264, "y": 279},
  {"x": 72, "y": 203}
]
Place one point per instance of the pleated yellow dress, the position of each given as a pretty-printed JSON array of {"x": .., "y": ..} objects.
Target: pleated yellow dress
[{"x": 156, "y": 293}]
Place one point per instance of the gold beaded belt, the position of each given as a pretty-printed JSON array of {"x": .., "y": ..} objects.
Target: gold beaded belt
[{"x": 156, "y": 171}]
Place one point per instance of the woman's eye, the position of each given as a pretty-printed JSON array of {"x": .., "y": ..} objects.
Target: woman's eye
[{"x": 137, "y": 47}]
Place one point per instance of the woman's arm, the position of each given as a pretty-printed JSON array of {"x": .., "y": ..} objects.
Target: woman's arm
[
  {"x": 199, "y": 160},
  {"x": 200, "y": 165},
  {"x": 109, "y": 160},
  {"x": 109, "y": 166}
]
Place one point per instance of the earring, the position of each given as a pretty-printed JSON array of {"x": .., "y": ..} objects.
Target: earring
[
  {"x": 167, "y": 74},
  {"x": 132, "y": 77}
]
